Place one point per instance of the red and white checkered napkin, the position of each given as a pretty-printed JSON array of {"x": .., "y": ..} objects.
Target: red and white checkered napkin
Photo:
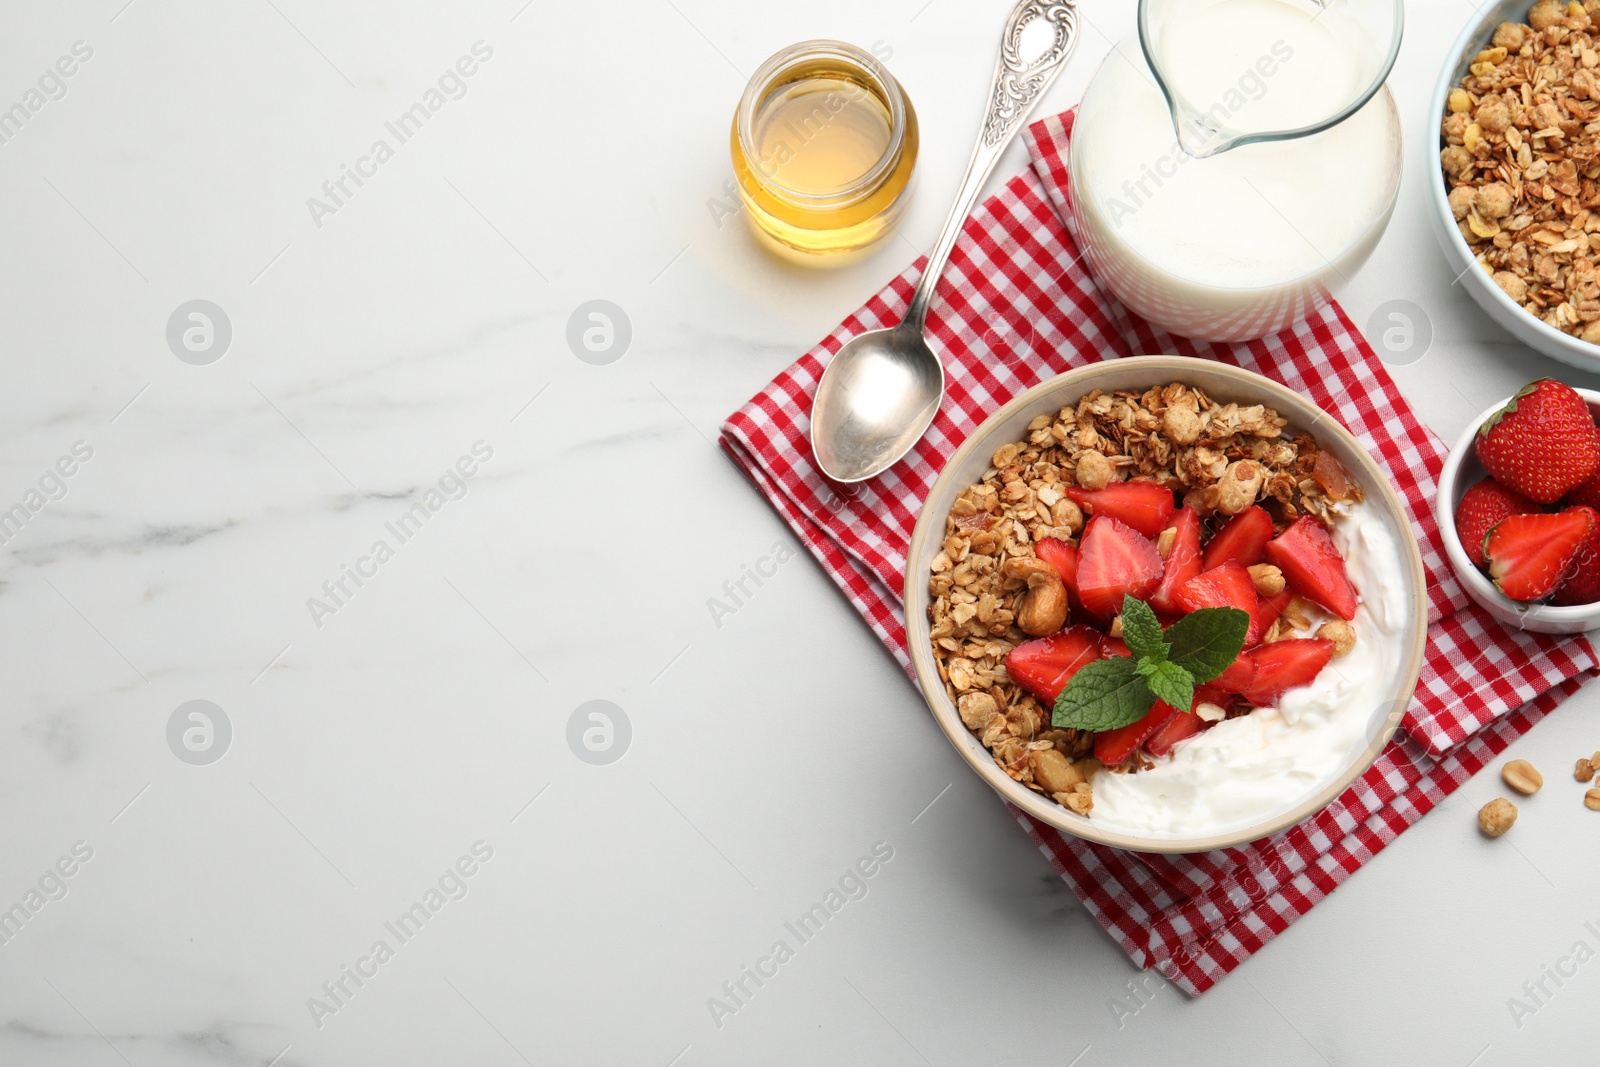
[{"x": 1017, "y": 306}]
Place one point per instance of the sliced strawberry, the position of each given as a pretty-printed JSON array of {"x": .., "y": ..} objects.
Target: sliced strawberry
[
  {"x": 1238, "y": 676},
  {"x": 1183, "y": 560},
  {"x": 1530, "y": 555},
  {"x": 1115, "y": 746},
  {"x": 1268, "y": 610},
  {"x": 1116, "y": 646},
  {"x": 1044, "y": 667},
  {"x": 1583, "y": 584},
  {"x": 1244, "y": 538},
  {"x": 1062, "y": 555},
  {"x": 1283, "y": 665},
  {"x": 1183, "y": 724},
  {"x": 1229, "y": 586},
  {"x": 1211, "y": 693},
  {"x": 1114, "y": 561},
  {"x": 1481, "y": 507},
  {"x": 1145, "y": 506},
  {"x": 1310, "y": 561}
]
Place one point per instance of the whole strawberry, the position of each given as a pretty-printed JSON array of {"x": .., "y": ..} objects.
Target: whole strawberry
[
  {"x": 1481, "y": 507},
  {"x": 1542, "y": 443},
  {"x": 1588, "y": 494}
]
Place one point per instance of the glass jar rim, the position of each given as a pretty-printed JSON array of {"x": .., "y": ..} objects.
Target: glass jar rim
[{"x": 770, "y": 76}]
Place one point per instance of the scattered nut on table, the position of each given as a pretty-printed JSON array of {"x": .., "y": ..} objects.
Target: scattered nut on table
[
  {"x": 1591, "y": 800},
  {"x": 1522, "y": 776},
  {"x": 1496, "y": 817},
  {"x": 1584, "y": 771}
]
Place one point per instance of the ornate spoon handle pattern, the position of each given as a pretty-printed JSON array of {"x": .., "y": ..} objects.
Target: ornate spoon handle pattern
[{"x": 1020, "y": 79}]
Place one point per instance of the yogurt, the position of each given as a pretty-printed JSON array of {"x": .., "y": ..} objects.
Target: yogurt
[{"x": 1245, "y": 770}]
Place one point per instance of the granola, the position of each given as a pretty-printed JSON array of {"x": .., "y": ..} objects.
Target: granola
[
  {"x": 1521, "y": 158},
  {"x": 1217, "y": 458}
]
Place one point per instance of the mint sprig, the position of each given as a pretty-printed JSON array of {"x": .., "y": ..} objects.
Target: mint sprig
[
  {"x": 1171, "y": 683},
  {"x": 1207, "y": 642},
  {"x": 1104, "y": 695},
  {"x": 1141, "y": 631},
  {"x": 1164, "y": 665}
]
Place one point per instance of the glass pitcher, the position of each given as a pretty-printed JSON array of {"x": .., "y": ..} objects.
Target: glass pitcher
[{"x": 1235, "y": 158}]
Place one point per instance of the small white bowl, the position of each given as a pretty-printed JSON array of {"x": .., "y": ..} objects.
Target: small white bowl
[
  {"x": 1461, "y": 472},
  {"x": 1521, "y": 324}
]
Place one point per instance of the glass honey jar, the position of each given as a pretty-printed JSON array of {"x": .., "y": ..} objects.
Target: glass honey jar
[{"x": 824, "y": 149}]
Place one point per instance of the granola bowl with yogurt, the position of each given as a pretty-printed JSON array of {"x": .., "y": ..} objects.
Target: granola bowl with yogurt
[{"x": 1165, "y": 604}]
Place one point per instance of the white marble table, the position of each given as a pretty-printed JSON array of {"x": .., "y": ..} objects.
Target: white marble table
[{"x": 411, "y": 734}]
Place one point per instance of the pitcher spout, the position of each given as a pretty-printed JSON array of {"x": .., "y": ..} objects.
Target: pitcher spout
[{"x": 1197, "y": 136}]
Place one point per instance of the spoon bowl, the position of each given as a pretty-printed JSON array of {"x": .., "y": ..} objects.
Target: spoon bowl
[{"x": 884, "y": 390}]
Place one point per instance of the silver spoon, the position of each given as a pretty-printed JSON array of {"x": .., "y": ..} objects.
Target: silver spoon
[{"x": 880, "y": 393}]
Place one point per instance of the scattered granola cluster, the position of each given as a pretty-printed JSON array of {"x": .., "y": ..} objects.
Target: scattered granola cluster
[
  {"x": 1217, "y": 458},
  {"x": 1522, "y": 160}
]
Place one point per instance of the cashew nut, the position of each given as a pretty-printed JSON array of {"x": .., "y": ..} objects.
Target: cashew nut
[{"x": 1044, "y": 608}]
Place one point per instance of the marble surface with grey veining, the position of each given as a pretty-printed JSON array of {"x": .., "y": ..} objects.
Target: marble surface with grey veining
[{"x": 547, "y": 779}]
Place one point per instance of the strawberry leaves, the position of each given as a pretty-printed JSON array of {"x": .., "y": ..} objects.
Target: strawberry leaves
[{"x": 1164, "y": 665}]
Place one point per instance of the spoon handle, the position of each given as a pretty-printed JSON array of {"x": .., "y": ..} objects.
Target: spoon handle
[{"x": 1020, "y": 79}]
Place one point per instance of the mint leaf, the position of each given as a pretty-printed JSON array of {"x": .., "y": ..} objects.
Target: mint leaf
[
  {"x": 1106, "y": 694},
  {"x": 1171, "y": 683},
  {"x": 1141, "y": 630},
  {"x": 1206, "y": 642}
]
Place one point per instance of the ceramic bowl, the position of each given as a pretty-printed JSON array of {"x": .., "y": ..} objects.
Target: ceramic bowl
[
  {"x": 1461, "y": 472},
  {"x": 1225, "y": 383},
  {"x": 1501, "y": 308}
]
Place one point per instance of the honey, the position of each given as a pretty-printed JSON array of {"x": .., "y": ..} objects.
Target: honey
[{"x": 824, "y": 148}]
